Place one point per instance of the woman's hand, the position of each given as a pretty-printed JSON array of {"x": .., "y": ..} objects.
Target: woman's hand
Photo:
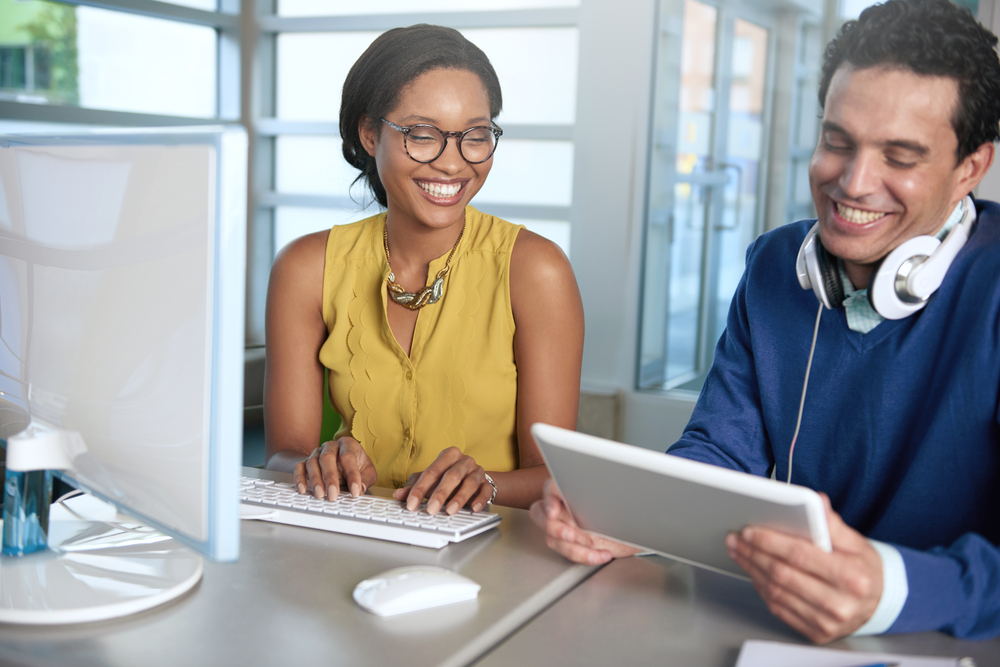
[
  {"x": 333, "y": 463},
  {"x": 456, "y": 480}
]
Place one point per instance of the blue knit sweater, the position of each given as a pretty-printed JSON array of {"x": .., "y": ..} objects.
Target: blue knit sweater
[{"x": 901, "y": 426}]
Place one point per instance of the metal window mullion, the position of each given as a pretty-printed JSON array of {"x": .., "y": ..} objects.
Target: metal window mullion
[
  {"x": 56, "y": 113},
  {"x": 519, "y": 18},
  {"x": 29, "y": 68},
  {"x": 168, "y": 11},
  {"x": 228, "y": 68},
  {"x": 271, "y": 199},
  {"x": 276, "y": 127},
  {"x": 259, "y": 104}
]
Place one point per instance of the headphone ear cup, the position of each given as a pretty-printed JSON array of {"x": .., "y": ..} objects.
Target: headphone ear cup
[
  {"x": 889, "y": 299},
  {"x": 817, "y": 270},
  {"x": 832, "y": 283}
]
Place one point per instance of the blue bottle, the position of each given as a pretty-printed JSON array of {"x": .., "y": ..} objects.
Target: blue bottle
[{"x": 26, "y": 498}]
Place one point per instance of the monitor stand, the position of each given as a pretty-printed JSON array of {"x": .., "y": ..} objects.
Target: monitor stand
[
  {"x": 77, "y": 570},
  {"x": 94, "y": 571}
]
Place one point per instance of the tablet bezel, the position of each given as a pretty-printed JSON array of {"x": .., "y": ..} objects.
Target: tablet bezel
[{"x": 723, "y": 500}]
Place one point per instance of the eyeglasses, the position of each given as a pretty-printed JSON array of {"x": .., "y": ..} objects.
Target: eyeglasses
[{"x": 426, "y": 143}]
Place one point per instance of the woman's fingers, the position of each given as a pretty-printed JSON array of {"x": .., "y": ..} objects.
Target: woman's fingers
[
  {"x": 451, "y": 482},
  {"x": 355, "y": 467},
  {"x": 480, "y": 499},
  {"x": 332, "y": 464},
  {"x": 434, "y": 477},
  {"x": 318, "y": 472},
  {"x": 467, "y": 489}
]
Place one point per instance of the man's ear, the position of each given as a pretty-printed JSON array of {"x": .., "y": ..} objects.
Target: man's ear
[
  {"x": 973, "y": 168},
  {"x": 369, "y": 135}
]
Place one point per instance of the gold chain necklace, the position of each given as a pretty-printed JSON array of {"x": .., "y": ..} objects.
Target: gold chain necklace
[{"x": 430, "y": 294}]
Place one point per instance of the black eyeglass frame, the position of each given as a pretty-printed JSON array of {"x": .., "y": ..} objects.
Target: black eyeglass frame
[{"x": 459, "y": 136}]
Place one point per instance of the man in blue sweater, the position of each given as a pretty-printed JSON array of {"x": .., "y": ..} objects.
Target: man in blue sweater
[{"x": 900, "y": 428}]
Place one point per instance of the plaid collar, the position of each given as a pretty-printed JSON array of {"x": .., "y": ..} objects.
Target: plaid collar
[{"x": 861, "y": 316}]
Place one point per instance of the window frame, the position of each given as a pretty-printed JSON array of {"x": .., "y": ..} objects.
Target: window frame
[{"x": 266, "y": 127}]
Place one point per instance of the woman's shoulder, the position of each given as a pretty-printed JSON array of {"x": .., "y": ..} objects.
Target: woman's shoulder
[
  {"x": 537, "y": 259},
  {"x": 309, "y": 254},
  {"x": 355, "y": 240},
  {"x": 489, "y": 233},
  {"x": 302, "y": 258},
  {"x": 543, "y": 287}
]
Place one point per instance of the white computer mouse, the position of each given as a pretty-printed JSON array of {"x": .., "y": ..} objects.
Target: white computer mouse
[{"x": 406, "y": 589}]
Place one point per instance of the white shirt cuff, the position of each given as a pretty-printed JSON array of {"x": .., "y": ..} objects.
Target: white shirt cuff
[{"x": 894, "y": 591}]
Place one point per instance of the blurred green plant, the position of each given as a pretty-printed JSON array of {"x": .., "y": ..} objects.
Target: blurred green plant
[{"x": 54, "y": 29}]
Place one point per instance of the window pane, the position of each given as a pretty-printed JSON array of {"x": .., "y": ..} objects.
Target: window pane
[
  {"x": 315, "y": 165},
  {"x": 556, "y": 231},
  {"x": 291, "y": 222},
  {"x": 349, "y": 7},
  {"x": 208, "y": 5},
  {"x": 106, "y": 60},
  {"x": 801, "y": 193},
  {"x": 532, "y": 94},
  {"x": 38, "y": 52},
  {"x": 530, "y": 172},
  {"x": 134, "y": 63},
  {"x": 307, "y": 91},
  {"x": 677, "y": 203},
  {"x": 537, "y": 72}
]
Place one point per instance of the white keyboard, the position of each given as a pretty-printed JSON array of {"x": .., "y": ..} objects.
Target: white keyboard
[{"x": 367, "y": 516}]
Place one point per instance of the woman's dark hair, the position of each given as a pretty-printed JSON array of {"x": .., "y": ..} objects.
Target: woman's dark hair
[
  {"x": 932, "y": 38},
  {"x": 392, "y": 61}
]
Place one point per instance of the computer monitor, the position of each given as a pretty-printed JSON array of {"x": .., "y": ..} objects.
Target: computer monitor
[{"x": 122, "y": 281}]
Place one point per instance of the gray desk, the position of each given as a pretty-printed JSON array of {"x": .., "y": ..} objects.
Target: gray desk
[
  {"x": 654, "y": 611},
  {"x": 288, "y": 602}
]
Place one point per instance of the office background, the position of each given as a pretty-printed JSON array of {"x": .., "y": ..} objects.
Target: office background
[{"x": 651, "y": 139}]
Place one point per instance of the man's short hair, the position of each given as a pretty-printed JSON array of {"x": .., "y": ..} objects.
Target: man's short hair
[{"x": 934, "y": 38}]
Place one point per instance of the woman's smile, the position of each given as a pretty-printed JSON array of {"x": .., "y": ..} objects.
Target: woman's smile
[
  {"x": 431, "y": 194},
  {"x": 442, "y": 193}
]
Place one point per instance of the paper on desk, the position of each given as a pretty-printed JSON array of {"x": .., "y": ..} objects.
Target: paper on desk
[{"x": 776, "y": 654}]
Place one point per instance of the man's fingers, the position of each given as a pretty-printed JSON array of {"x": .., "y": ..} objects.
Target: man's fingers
[
  {"x": 797, "y": 552},
  {"x": 540, "y": 514},
  {"x": 843, "y": 537},
  {"x": 574, "y": 543},
  {"x": 566, "y": 540},
  {"x": 578, "y": 553},
  {"x": 789, "y": 564},
  {"x": 853, "y": 568},
  {"x": 783, "y": 587},
  {"x": 831, "y": 594}
]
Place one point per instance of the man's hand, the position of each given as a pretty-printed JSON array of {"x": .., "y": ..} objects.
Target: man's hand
[
  {"x": 565, "y": 537},
  {"x": 822, "y": 595}
]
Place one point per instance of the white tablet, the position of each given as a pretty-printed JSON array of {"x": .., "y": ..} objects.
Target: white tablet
[{"x": 680, "y": 508}]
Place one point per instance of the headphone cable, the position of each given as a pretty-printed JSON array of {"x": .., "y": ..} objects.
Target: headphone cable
[{"x": 805, "y": 384}]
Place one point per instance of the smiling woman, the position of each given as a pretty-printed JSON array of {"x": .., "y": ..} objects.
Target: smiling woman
[{"x": 446, "y": 332}]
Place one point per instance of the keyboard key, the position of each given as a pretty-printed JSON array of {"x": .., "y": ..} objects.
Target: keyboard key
[{"x": 386, "y": 518}]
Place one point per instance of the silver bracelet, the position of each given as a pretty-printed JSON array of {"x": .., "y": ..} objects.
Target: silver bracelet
[{"x": 493, "y": 484}]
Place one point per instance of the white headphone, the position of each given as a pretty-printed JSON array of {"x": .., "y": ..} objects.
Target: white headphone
[{"x": 903, "y": 281}]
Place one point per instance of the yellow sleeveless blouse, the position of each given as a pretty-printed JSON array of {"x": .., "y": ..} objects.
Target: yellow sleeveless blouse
[{"x": 458, "y": 387}]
